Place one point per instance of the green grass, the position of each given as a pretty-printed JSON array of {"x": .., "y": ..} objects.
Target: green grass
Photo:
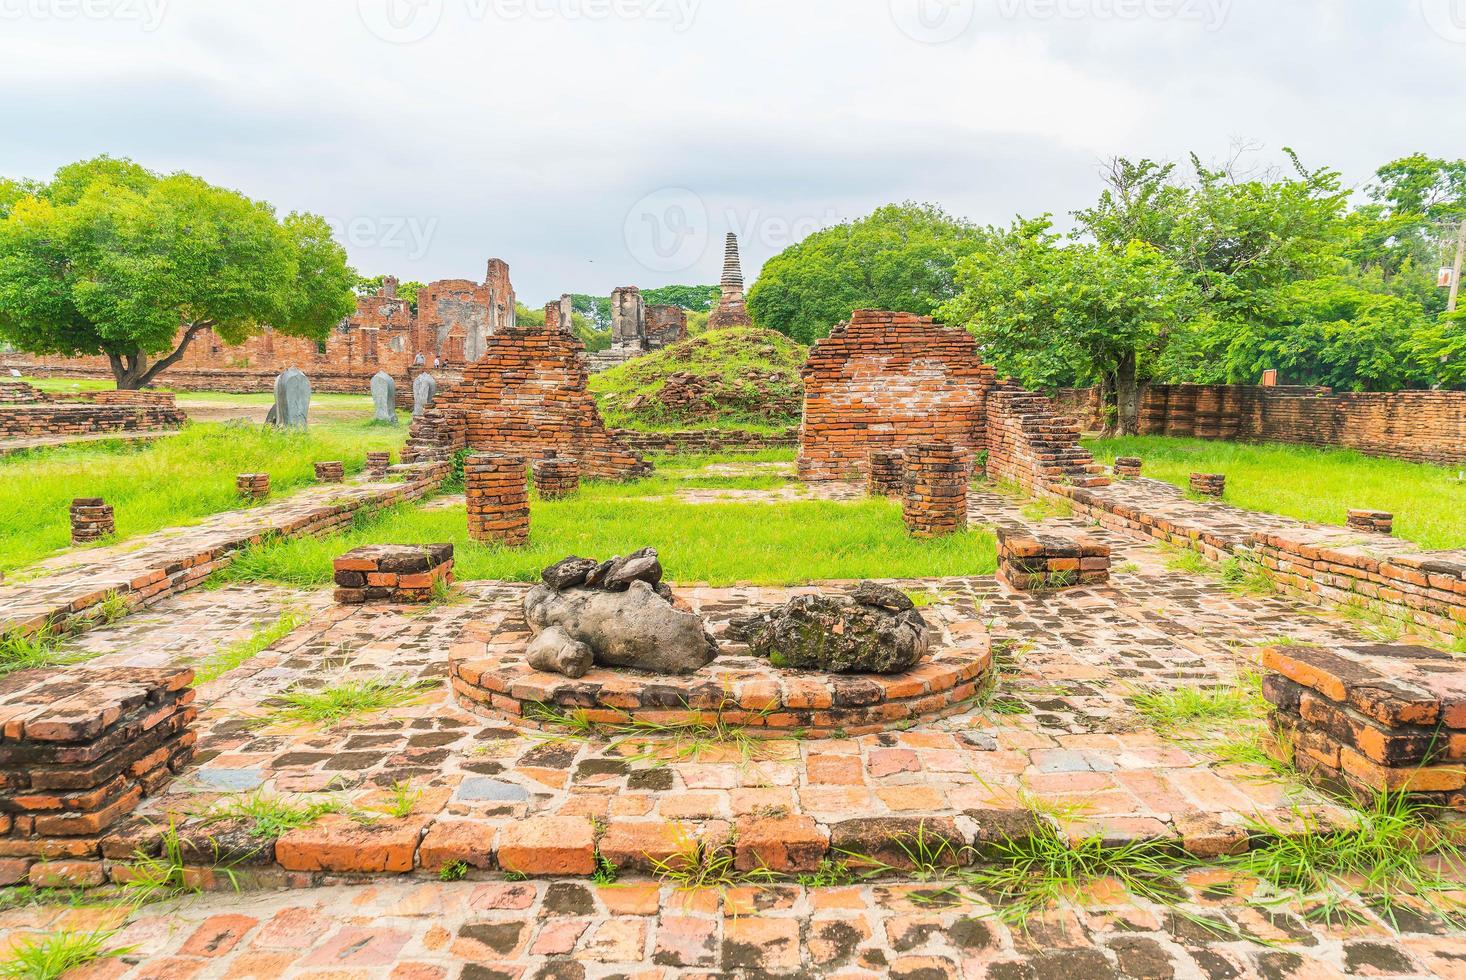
[
  {"x": 1201, "y": 708},
  {"x": 20, "y": 651},
  {"x": 324, "y": 399},
  {"x": 750, "y": 378},
  {"x": 346, "y": 699},
  {"x": 159, "y": 484},
  {"x": 1321, "y": 485},
  {"x": 51, "y": 956},
  {"x": 270, "y": 817},
  {"x": 720, "y": 543},
  {"x": 225, "y": 659}
]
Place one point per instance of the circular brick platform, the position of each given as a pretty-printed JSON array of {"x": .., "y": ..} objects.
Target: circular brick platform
[{"x": 744, "y": 690}]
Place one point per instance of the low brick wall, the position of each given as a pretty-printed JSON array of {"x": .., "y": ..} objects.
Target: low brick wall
[
  {"x": 1029, "y": 561},
  {"x": 77, "y": 418},
  {"x": 79, "y": 749},
  {"x": 704, "y": 441},
  {"x": 400, "y": 573},
  {"x": 1369, "y": 719}
]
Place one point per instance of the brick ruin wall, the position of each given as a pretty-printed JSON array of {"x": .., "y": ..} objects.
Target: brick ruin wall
[
  {"x": 886, "y": 381},
  {"x": 1418, "y": 426},
  {"x": 26, "y": 412},
  {"x": 527, "y": 395}
]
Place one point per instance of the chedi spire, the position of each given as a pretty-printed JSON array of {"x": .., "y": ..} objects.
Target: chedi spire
[{"x": 732, "y": 309}]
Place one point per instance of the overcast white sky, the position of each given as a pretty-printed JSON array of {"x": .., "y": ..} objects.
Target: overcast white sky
[{"x": 598, "y": 143}]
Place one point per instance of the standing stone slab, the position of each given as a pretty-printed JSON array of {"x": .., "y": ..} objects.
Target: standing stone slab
[
  {"x": 424, "y": 390},
  {"x": 384, "y": 398},
  {"x": 292, "y": 401}
]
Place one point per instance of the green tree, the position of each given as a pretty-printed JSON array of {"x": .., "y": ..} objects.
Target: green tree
[
  {"x": 596, "y": 309},
  {"x": 901, "y": 258},
  {"x": 112, "y": 259},
  {"x": 698, "y": 299},
  {"x": 408, "y": 290},
  {"x": 1046, "y": 313}
]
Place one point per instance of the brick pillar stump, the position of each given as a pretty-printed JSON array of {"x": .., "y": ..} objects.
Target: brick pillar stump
[
  {"x": 498, "y": 499},
  {"x": 253, "y": 486},
  {"x": 1031, "y": 562},
  {"x": 1208, "y": 484},
  {"x": 1372, "y": 521},
  {"x": 556, "y": 477},
  {"x": 401, "y": 573},
  {"x": 91, "y": 519},
  {"x": 83, "y": 746},
  {"x": 935, "y": 502},
  {"x": 377, "y": 463},
  {"x": 887, "y": 473},
  {"x": 1127, "y": 467},
  {"x": 330, "y": 472}
]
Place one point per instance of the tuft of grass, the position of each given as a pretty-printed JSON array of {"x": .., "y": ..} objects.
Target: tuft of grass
[
  {"x": 403, "y": 801},
  {"x": 225, "y": 659},
  {"x": 606, "y": 871},
  {"x": 19, "y": 651},
  {"x": 1187, "y": 561},
  {"x": 707, "y": 866},
  {"x": 270, "y": 817},
  {"x": 453, "y": 871},
  {"x": 112, "y": 608},
  {"x": 1200, "y": 708},
  {"x": 1244, "y": 575},
  {"x": 54, "y": 955},
  {"x": 830, "y": 874},
  {"x": 1044, "y": 508},
  {"x": 700, "y": 734},
  {"x": 1310, "y": 484},
  {"x": 345, "y": 699}
]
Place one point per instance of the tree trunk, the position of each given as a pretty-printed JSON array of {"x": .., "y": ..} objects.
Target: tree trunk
[
  {"x": 1108, "y": 410},
  {"x": 1127, "y": 391},
  {"x": 131, "y": 370}
]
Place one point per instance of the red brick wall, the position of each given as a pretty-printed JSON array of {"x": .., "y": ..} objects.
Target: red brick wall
[
  {"x": 665, "y": 325},
  {"x": 526, "y": 395},
  {"x": 887, "y": 381}
]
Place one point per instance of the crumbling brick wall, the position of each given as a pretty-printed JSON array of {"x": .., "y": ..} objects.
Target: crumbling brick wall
[
  {"x": 28, "y": 413},
  {"x": 1031, "y": 444},
  {"x": 526, "y": 395},
  {"x": 665, "y": 325},
  {"x": 887, "y": 381}
]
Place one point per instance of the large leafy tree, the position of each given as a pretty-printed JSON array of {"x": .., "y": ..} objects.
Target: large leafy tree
[
  {"x": 698, "y": 299},
  {"x": 111, "y": 259},
  {"x": 1050, "y": 313},
  {"x": 901, "y": 258}
]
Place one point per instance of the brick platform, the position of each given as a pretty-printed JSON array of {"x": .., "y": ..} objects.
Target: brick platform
[
  {"x": 1030, "y": 561},
  {"x": 1209, "y": 484},
  {"x": 887, "y": 473},
  {"x": 556, "y": 477},
  {"x": 28, "y": 412},
  {"x": 1128, "y": 467},
  {"x": 330, "y": 472},
  {"x": 1370, "y": 718},
  {"x": 1372, "y": 521},
  {"x": 79, "y": 749},
  {"x": 935, "y": 502},
  {"x": 253, "y": 486},
  {"x": 91, "y": 520},
  {"x": 393, "y": 573},
  {"x": 498, "y": 499}
]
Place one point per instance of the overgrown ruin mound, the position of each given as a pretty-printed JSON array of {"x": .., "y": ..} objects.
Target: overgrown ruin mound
[{"x": 740, "y": 376}]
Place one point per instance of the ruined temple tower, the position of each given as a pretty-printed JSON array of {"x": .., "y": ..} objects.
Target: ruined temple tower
[{"x": 732, "y": 310}]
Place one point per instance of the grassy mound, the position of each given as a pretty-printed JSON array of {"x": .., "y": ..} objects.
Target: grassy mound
[{"x": 724, "y": 379}]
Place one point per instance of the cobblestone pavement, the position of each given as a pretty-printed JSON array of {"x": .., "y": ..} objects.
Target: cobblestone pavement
[{"x": 1066, "y": 736}]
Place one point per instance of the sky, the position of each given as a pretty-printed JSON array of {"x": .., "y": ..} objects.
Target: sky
[{"x": 601, "y": 143}]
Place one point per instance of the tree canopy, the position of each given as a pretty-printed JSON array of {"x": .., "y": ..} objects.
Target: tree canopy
[
  {"x": 111, "y": 259},
  {"x": 900, "y": 258}
]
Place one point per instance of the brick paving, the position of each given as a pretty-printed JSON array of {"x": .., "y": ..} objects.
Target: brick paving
[{"x": 498, "y": 797}]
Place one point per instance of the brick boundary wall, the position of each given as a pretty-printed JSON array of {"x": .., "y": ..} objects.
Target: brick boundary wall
[
  {"x": 28, "y": 412},
  {"x": 1417, "y": 426},
  {"x": 1030, "y": 444},
  {"x": 886, "y": 380},
  {"x": 704, "y": 441},
  {"x": 527, "y": 395}
]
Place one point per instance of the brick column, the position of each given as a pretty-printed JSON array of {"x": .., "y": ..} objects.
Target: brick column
[
  {"x": 330, "y": 472},
  {"x": 1127, "y": 467},
  {"x": 498, "y": 499},
  {"x": 1208, "y": 484},
  {"x": 91, "y": 519},
  {"x": 253, "y": 485},
  {"x": 936, "y": 490},
  {"x": 887, "y": 473},
  {"x": 556, "y": 477},
  {"x": 1372, "y": 521},
  {"x": 1038, "y": 562},
  {"x": 377, "y": 463}
]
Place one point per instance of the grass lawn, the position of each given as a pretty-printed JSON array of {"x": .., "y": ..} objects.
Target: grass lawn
[
  {"x": 721, "y": 544},
  {"x": 1320, "y": 485},
  {"x": 176, "y": 480},
  {"x": 326, "y": 399}
]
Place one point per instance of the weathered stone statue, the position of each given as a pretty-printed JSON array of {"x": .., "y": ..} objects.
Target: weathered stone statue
[
  {"x": 424, "y": 390},
  {"x": 616, "y": 613},
  {"x": 872, "y": 630},
  {"x": 292, "y": 401},
  {"x": 384, "y": 398}
]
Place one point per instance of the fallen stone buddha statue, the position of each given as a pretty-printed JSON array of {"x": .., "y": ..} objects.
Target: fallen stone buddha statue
[
  {"x": 616, "y": 613},
  {"x": 874, "y": 629}
]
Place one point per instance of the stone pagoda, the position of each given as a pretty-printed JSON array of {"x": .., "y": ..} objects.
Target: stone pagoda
[{"x": 732, "y": 309}]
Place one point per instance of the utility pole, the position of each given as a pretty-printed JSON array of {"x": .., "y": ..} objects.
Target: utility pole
[{"x": 1456, "y": 275}]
